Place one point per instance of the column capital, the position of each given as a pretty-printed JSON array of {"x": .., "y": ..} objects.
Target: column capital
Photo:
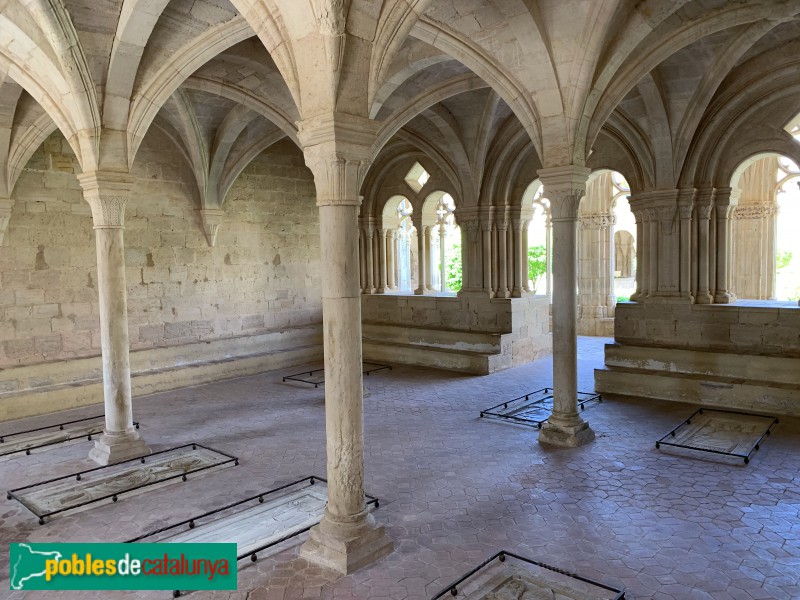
[
  {"x": 107, "y": 194},
  {"x": 337, "y": 148},
  {"x": 597, "y": 221},
  {"x": 564, "y": 187},
  {"x": 211, "y": 218}
]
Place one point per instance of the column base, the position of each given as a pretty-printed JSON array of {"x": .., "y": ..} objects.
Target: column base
[
  {"x": 346, "y": 547},
  {"x": 723, "y": 298},
  {"x": 116, "y": 447},
  {"x": 704, "y": 298},
  {"x": 566, "y": 436},
  {"x": 637, "y": 296}
]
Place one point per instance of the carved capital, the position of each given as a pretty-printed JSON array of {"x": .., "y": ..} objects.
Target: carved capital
[
  {"x": 564, "y": 187},
  {"x": 597, "y": 221},
  {"x": 338, "y": 179},
  {"x": 107, "y": 195},
  {"x": 755, "y": 211},
  {"x": 337, "y": 148},
  {"x": 704, "y": 211},
  {"x": 211, "y": 219}
]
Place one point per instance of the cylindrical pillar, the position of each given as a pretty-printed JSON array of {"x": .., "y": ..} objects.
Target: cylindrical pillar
[
  {"x": 443, "y": 257},
  {"x": 487, "y": 255},
  {"x": 703, "y": 294},
  {"x": 422, "y": 259},
  {"x": 564, "y": 187},
  {"x": 548, "y": 256},
  {"x": 107, "y": 195},
  {"x": 346, "y": 538},
  {"x": 383, "y": 285},
  {"x": 369, "y": 283},
  {"x": 722, "y": 294},
  {"x": 502, "y": 260},
  {"x": 652, "y": 262}
]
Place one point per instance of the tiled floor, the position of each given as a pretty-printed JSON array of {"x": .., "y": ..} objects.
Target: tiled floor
[{"x": 456, "y": 488}]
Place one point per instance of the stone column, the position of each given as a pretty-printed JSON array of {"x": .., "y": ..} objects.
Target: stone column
[
  {"x": 391, "y": 257},
  {"x": 486, "y": 253},
  {"x": 564, "y": 187},
  {"x": 362, "y": 261},
  {"x": 595, "y": 274},
  {"x": 502, "y": 260},
  {"x": 107, "y": 194},
  {"x": 638, "y": 214},
  {"x": 383, "y": 259},
  {"x": 548, "y": 254},
  {"x": 516, "y": 252},
  {"x": 429, "y": 266},
  {"x": 685, "y": 207},
  {"x": 652, "y": 262},
  {"x": 725, "y": 201},
  {"x": 443, "y": 257},
  {"x": 336, "y": 151},
  {"x": 375, "y": 241},
  {"x": 369, "y": 284},
  {"x": 510, "y": 262},
  {"x": 705, "y": 200},
  {"x": 422, "y": 258}
]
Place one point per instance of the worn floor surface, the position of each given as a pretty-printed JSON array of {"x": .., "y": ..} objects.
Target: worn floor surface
[{"x": 454, "y": 489}]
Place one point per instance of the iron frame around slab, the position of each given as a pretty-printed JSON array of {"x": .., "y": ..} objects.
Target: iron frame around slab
[
  {"x": 300, "y": 376},
  {"x": 700, "y": 411},
  {"x": 12, "y": 494},
  {"x": 252, "y": 554},
  {"x": 27, "y": 451},
  {"x": 452, "y": 589},
  {"x": 583, "y": 399}
]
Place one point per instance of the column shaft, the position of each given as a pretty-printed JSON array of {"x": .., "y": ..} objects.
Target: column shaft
[
  {"x": 107, "y": 195},
  {"x": 422, "y": 259},
  {"x": 369, "y": 283},
  {"x": 564, "y": 187},
  {"x": 383, "y": 261}
]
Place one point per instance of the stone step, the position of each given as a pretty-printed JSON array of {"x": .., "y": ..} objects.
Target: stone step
[
  {"x": 440, "y": 337},
  {"x": 734, "y": 393},
  {"x": 464, "y": 361},
  {"x": 63, "y": 395},
  {"x": 716, "y": 365}
]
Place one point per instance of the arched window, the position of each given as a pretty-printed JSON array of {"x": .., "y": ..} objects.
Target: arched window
[
  {"x": 400, "y": 237},
  {"x": 405, "y": 232},
  {"x": 445, "y": 242},
  {"x": 624, "y": 238},
  {"x": 539, "y": 234},
  {"x": 787, "y": 257},
  {"x": 765, "y": 248}
]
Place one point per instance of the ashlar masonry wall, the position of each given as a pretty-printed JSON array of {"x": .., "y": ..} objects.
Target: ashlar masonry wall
[{"x": 262, "y": 276}]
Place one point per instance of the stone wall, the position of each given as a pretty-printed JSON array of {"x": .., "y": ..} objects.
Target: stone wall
[
  {"x": 261, "y": 277},
  {"x": 737, "y": 356},
  {"x": 263, "y": 273},
  {"x": 741, "y": 329},
  {"x": 470, "y": 332}
]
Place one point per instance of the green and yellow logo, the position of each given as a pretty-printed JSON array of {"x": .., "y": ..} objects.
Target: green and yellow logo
[{"x": 123, "y": 566}]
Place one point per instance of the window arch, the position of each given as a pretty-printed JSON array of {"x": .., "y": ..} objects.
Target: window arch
[
  {"x": 443, "y": 238},
  {"x": 539, "y": 240},
  {"x": 765, "y": 249},
  {"x": 399, "y": 235}
]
